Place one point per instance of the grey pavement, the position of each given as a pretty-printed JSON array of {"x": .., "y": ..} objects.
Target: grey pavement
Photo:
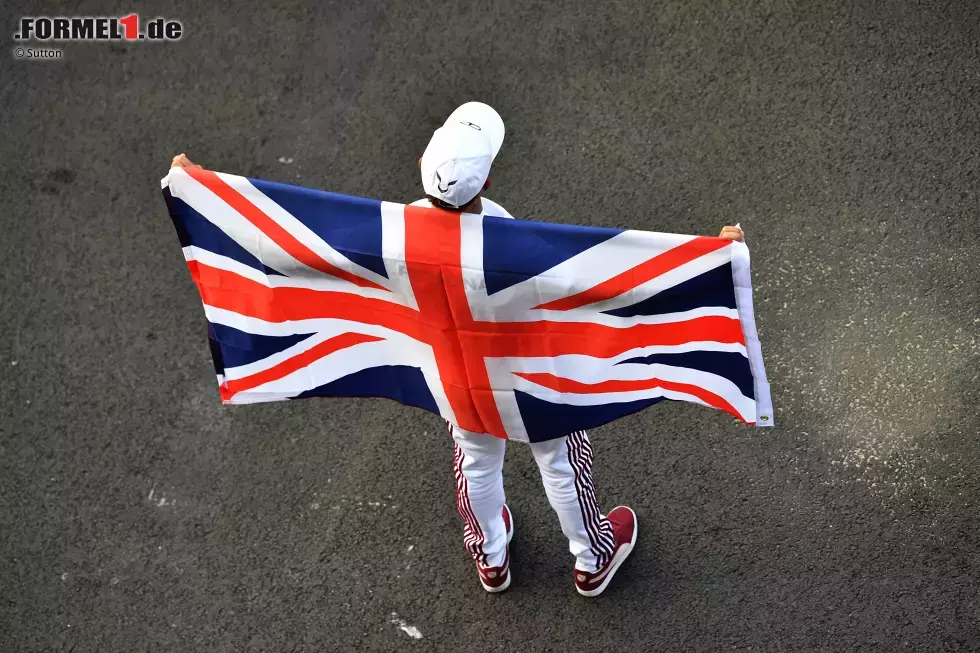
[{"x": 138, "y": 514}]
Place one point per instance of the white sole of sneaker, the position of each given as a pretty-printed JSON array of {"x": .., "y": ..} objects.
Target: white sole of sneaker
[
  {"x": 510, "y": 536},
  {"x": 618, "y": 559}
]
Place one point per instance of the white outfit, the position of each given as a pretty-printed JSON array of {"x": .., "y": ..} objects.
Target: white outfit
[{"x": 566, "y": 471}]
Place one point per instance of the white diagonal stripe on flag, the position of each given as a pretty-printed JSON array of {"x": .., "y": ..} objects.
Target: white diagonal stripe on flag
[
  {"x": 298, "y": 230},
  {"x": 667, "y": 280},
  {"x": 322, "y": 282}
]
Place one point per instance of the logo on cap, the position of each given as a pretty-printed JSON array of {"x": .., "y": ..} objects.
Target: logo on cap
[
  {"x": 439, "y": 185},
  {"x": 471, "y": 124}
]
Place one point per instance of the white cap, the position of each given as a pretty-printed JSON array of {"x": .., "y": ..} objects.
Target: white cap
[{"x": 456, "y": 163}]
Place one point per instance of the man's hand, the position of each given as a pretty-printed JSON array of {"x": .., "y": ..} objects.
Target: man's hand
[
  {"x": 181, "y": 161},
  {"x": 732, "y": 233}
]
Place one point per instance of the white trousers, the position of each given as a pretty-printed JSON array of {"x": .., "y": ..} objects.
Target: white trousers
[{"x": 566, "y": 471}]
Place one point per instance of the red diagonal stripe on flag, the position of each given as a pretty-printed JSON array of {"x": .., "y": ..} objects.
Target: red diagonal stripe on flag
[
  {"x": 289, "y": 243},
  {"x": 625, "y": 281},
  {"x": 233, "y": 292},
  {"x": 577, "y": 387},
  {"x": 298, "y": 361}
]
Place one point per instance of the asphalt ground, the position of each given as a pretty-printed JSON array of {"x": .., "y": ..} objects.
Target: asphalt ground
[{"x": 138, "y": 514}]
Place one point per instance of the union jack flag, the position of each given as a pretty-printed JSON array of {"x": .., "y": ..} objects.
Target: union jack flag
[{"x": 521, "y": 329}]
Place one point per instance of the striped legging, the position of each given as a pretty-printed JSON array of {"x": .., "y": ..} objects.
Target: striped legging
[{"x": 566, "y": 471}]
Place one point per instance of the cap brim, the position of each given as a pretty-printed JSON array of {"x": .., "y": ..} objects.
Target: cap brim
[{"x": 483, "y": 116}]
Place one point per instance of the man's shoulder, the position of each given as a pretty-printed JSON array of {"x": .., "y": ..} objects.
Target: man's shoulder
[{"x": 492, "y": 208}]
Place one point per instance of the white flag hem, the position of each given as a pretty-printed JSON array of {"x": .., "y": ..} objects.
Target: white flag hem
[{"x": 742, "y": 279}]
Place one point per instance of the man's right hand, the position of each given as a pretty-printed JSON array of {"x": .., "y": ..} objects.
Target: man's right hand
[{"x": 181, "y": 161}]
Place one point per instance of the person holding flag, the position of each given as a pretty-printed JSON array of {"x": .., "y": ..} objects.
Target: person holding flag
[{"x": 455, "y": 169}]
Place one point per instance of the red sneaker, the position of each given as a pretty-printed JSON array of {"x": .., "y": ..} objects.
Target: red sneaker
[
  {"x": 623, "y": 522},
  {"x": 497, "y": 579}
]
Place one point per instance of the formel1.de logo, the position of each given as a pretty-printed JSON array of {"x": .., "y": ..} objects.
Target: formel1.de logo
[{"x": 97, "y": 28}]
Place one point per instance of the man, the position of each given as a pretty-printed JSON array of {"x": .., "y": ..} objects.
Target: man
[{"x": 455, "y": 172}]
